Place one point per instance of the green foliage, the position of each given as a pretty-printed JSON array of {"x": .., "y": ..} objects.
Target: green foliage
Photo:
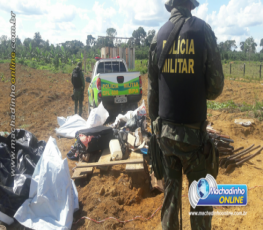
[
  {"x": 56, "y": 61},
  {"x": 141, "y": 66},
  {"x": 33, "y": 64},
  {"x": 2, "y": 77},
  {"x": 256, "y": 108},
  {"x": 38, "y": 53},
  {"x": 218, "y": 106},
  {"x": 21, "y": 61}
]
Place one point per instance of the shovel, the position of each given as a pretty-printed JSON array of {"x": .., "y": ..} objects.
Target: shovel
[{"x": 231, "y": 166}]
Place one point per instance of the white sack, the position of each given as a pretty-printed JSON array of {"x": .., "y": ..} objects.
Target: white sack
[
  {"x": 97, "y": 116},
  {"x": 71, "y": 126},
  {"x": 53, "y": 196}
]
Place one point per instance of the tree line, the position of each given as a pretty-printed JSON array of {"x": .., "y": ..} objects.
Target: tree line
[
  {"x": 70, "y": 52},
  {"x": 248, "y": 52}
]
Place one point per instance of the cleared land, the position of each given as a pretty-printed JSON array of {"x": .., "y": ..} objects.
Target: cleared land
[{"x": 43, "y": 96}]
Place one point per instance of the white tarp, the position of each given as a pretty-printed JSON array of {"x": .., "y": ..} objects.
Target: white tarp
[
  {"x": 70, "y": 126},
  {"x": 62, "y": 120},
  {"x": 53, "y": 197}
]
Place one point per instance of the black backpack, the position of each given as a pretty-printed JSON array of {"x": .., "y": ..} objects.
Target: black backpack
[{"x": 76, "y": 78}]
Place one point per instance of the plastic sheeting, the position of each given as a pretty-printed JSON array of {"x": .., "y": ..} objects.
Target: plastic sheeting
[
  {"x": 70, "y": 126},
  {"x": 53, "y": 196},
  {"x": 62, "y": 120},
  {"x": 139, "y": 112},
  {"x": 15, "y": 190},
  {"x": 97, "y": 116}
]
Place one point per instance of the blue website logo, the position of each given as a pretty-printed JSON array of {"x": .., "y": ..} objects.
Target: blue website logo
[{"x": 206, "y": 192}]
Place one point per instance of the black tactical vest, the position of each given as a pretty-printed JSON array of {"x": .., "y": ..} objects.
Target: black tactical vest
[{"x": 182, "y": 95}]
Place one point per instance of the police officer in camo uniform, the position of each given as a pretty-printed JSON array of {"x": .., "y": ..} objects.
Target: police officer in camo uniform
[
  {"x": 177, "y": 92},
  {"x": 78, "y": 83}
]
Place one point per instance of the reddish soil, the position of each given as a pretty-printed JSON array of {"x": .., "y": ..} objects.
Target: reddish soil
[{"x": 42, "y": 96}]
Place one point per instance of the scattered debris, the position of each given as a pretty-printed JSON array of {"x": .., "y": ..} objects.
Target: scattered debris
[{"x": 244, "y": 122}]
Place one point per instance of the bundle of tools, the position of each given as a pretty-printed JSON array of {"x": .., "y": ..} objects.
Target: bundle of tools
[
  {"x": 238, "y": 158},
  {"x": 223, "y": 144},
  {"x": 222, "y": 141}
]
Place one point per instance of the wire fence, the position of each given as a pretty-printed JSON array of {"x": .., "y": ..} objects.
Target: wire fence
[{"x": 250, "y": 71}]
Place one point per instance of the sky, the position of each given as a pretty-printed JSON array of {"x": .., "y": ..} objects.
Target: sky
[{"x": 65, "y": 20}]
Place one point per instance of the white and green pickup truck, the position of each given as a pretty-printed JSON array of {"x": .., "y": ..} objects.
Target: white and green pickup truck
[{"x": 112, "y": 84}]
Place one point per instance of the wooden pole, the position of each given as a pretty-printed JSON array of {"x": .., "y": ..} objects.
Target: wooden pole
[
  {"x": 244, "y": 69},
  {"x": 230, "y": 68}
]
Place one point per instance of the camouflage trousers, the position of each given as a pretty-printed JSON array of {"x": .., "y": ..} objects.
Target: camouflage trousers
[
  {"x": 178, "y": 156},
  {"x": 78, "y": 97}
]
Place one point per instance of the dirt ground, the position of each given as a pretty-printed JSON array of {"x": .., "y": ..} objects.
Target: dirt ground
[{"x": 42, "y": 96}]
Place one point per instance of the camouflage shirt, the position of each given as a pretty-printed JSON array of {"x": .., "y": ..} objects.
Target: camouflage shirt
[
  {"x": 82, "y": 81},
  {"x": 212, "y": 69}
]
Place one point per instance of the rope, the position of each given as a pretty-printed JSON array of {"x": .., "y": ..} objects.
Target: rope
[{"x": 141, "y": 217}]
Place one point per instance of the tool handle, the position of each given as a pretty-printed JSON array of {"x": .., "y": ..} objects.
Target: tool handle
[
  {"x": 238, "y": 149},
  {"x": 238, "y": 154},
  {"x": 250, "y": 157},
  {"x": 244, "y": 153}
]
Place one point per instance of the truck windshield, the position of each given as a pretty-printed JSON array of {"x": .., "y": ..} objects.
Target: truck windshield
[{"x": 111, "y": 67}]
